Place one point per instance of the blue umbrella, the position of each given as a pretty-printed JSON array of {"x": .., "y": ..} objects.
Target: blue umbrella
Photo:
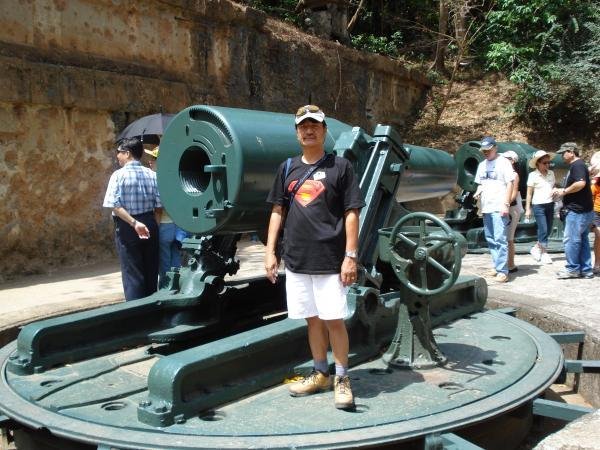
[{"x": 147, "y": 128}]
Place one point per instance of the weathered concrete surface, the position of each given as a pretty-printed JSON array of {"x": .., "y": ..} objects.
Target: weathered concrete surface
[
  {"x": 74, "y": 73},
  {"x": 581, "y": 434}
]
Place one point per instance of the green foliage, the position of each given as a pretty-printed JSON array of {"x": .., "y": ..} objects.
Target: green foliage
[
  {"x": 378, "y": 44},
  {"x": 549, "y": 48}
]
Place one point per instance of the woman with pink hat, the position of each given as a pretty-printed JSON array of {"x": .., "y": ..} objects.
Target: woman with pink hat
[
  {"x": 540, "y": 183},
  {"x": 595, "y": 185}
]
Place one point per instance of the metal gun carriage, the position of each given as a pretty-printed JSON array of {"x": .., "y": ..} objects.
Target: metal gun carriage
[{"x": 200, "y": 363}]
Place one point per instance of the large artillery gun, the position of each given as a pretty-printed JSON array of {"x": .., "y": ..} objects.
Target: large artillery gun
[
  {"x": 466, "y": 217},
  {"x": 200, "y": 363}
]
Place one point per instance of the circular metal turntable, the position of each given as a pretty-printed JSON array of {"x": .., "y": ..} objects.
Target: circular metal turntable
[{"x": 495, "y": 364}]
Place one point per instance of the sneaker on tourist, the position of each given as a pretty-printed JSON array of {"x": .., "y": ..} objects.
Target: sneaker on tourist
[
  {"x": 501, "y": 277},
  {"x": 536, "y": 252},
  {"x": 587, "y": 275},
  {"x": 343, "y": 397},
  {"x": 565, "y": 275},
  {"x": 546, "y": 258},
  {"x": 490, "y": 273},
  {"x": 313, "y": 383}
]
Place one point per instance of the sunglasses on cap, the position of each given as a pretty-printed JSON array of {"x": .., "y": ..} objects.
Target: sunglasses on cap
[{"x": 307, "y": 109}]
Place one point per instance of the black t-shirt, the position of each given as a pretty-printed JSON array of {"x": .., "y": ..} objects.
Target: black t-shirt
[
  {"x": 315, "y": 236},
  {"x": 580, "y": 201}
]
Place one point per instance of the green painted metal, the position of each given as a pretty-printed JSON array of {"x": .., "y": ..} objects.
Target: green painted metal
[
  {"x": 559, "y": 410},
  {"x": 582, "y": 366},
  {"x": 568, "y": 337},
  {"x": 217, "y": 165},
  {"x": 416, "y": 250},
  {"x": 448, "y": 441},
  {"x": 428, "y": 173},
  {"x": 495, "y": 362},
  {"x": 420, "y": 255}
]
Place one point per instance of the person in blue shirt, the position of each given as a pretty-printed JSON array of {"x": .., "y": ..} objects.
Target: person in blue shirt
[{"x": 132, "y": 195}]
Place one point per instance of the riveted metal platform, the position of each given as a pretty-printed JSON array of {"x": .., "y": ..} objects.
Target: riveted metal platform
[{"x": 495, "y": 363}]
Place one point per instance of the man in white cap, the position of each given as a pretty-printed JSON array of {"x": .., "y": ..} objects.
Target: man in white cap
[
  {"x": 319, "y": 198},
  {"x": 577, "y": 199},
  {"x": 494, "y": 177}
]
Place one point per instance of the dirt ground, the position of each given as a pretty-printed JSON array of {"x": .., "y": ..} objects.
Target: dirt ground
[{"x": 477, "y": 108}]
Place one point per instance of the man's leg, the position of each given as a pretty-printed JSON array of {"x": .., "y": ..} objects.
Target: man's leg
[
  {"x": 330, "y": 298},
  {"x": 572, "y": 241},
  {"x": 131, "y": 261},
  {"x": 499, "y": 232},
  {"x": 318, "y": 340},
  {"x": 488, "y": 231},
  {"x": 301, "y": 305},
  {"x": 338, "y": 337},
  {"x": 585, "y": 258}
]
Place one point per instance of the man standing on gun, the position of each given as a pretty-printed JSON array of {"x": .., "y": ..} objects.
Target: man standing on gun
[{"x": 318, "y": 198}]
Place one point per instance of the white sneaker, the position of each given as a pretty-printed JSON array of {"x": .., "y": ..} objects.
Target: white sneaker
[
  {"x": 545, "y": 258},
  {"x": 536, "y": 252}
]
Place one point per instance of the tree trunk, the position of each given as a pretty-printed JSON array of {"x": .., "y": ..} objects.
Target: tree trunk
[
  {"x": 442, "y": 41},
  {"x": 460, "y": 27},
  {"x": 355, "y": 16}
]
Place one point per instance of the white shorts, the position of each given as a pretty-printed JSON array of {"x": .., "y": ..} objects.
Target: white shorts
[{"x": 315, "y": 295}]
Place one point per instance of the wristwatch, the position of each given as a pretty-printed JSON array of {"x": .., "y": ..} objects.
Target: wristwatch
[{"x": 351, "y": 254}]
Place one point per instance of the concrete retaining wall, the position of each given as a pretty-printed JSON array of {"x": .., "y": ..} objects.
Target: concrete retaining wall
[{"x": 75, "y": 72}]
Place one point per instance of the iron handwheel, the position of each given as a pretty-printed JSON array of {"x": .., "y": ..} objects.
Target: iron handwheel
[{"x": 422, "y": 244}]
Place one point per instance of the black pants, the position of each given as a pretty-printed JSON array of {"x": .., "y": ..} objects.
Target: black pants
[{"x": 138, "y": 257}]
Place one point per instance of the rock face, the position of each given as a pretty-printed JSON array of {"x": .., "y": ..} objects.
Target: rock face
[
  {"x": 75, "y": 73},
  {"x": 581, "y": 434}
]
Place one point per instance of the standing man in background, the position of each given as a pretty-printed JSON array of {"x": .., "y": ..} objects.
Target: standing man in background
[
  {"x": 319, "y": 198},
  {"x": 577, "y": 199},
  {"x": 494, "y": 178},
  {"x": 132, "y": 194}
]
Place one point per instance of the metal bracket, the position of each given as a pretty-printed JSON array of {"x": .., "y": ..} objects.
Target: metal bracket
[
  {"x": 582, "y": 366},
  {"x": 559, "y": 410},
  {"x": 571, "y": 337},
  {"x": 448, "y": 441},
  {"x": 568, "y": 337}
]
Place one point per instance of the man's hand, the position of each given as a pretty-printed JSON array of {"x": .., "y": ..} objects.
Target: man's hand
[
  {"x": 142, "y": 230},
  {"x": 271, "y": 266},
  {"x": 504, "y": 211},
  {"x": 349, "y": 271}
]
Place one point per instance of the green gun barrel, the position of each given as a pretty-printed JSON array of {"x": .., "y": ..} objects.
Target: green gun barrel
[{"x": 217, "y": 165}]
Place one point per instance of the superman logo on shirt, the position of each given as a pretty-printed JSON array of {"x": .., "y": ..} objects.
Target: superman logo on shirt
[{"x": 309, "y": 191}]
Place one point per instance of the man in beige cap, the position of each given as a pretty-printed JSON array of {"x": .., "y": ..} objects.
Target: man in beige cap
[{"x": 319, "y": 198}]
